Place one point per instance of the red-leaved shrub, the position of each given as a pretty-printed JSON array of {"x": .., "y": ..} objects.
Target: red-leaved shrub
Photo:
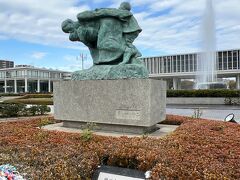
[{"x": 198, "y": 149}]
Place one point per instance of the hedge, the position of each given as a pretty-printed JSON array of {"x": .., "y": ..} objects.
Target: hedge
[
  {"x": 16, "y": 110},
  {"x": 203, "y": 93},
  {"x": 36, "y": 101},
  {"x": 10, "y": 94},
  {"x": 27, "y": 96}
]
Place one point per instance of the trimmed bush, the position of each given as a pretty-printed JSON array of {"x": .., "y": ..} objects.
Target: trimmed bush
[
  {"x": 203, "y": 93},
  {"x": 43, "y": 109},
  {"x": 10, "y": 94},
  {"x": 16, "y": 110},
  {"x": 12, "y": 110},
  {"x": 33, "y": 110}
]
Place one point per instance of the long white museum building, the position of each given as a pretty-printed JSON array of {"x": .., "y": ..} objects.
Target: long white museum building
[
  {"x": 25, "y": 78},
  {"x": 174, "y": 68}
]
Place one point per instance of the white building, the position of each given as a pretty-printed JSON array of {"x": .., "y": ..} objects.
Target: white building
[
  {"x": 25, "y": 78},
  {"x": 174, "y": 68}
]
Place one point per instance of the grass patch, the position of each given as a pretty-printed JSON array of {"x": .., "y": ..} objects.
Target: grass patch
[{"x": 36, "y": 101}]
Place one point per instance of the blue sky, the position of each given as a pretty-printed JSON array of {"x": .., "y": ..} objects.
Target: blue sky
[{"x": 30, "y": 31}]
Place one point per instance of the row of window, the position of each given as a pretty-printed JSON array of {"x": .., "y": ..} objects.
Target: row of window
[
  {"x": 226, "y": 60},
  {"x": 170, "y": 64},
  {"x": 30, "y": 74}
]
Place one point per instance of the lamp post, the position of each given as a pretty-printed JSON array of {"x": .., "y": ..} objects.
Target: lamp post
[{"x": 82, "y": 58}]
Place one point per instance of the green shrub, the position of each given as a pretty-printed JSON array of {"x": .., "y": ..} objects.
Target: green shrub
[
  {"x": 12, "y": 110},
  {"x": 87, "y": 132},
  {"x": 33, "y": 110},
  {"x": 43, "y": 109},
  {"x": 16, "y": 109},
  {"x": 39, "y": 110},
  {"x": 204, "y": 93},
  {"x": 86, "y": 135}
]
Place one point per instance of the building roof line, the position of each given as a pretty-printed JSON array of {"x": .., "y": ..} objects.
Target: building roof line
[
  {"x": 193, "y": 53},
  {"x": 32, "y": 68}
]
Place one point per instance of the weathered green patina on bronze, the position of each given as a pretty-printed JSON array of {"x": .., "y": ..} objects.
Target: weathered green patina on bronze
[{"x": 109, "y": 34}]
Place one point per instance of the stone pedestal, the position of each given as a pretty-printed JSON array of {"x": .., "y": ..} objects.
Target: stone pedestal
[{"x": 131, "y": 105}]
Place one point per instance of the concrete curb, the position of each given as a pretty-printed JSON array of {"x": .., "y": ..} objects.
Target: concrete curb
[{"x": 163, "y": 131}]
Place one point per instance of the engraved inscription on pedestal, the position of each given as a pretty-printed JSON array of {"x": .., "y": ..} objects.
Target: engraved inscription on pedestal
[{"x": 128, "y": 114}]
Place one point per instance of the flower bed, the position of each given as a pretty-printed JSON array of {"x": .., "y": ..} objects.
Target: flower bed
[{"x": 198, "y": 149}]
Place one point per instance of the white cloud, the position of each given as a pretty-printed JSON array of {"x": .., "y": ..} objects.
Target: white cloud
[
  {"x": 38, "y": 55},
  {"x": 38, "y": 21},
  {"x": 2, "y": 37},
  {"x": 169, "y": 26},
  {"x": 175, "y": 26}
]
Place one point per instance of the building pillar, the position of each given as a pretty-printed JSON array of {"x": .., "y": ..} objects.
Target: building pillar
[
  {"x": 5, "y": 85},
  {"x": 238, "y": 81},
  {"x": 38, "y": 86},
  {"x": 26, "y": 85},
  {"x": 176, "y": 83},
  {"x": 15, "y": 86},
  {"x": 167, "y": 84},
  {"x": 49, "y": 85},
  {"x": 179, "y": 83}
]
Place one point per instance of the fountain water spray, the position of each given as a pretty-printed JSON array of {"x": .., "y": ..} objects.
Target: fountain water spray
[{"x": 206, "y": 73}]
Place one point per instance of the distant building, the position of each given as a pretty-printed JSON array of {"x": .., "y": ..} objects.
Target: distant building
[
  {"x": 174, "y": 68},
  {"x": 6, "y": 64},
  {"x": 25, "y": 78}
]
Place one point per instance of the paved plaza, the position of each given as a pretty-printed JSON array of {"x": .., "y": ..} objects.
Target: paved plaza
[{"x": 215, "y": 112}]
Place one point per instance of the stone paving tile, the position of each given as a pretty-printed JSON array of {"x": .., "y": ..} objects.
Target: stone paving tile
[{"x": 217, "y": 113}]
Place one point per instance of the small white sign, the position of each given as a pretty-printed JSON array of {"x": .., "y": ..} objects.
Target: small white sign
[
  {"x": 107, "y": 176},
  {"x": 128, "y": 114}
]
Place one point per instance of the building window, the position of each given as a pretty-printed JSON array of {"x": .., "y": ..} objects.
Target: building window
[
  {"x": 174, "y": 64},
  {"x": 13, "y": 73},
  {"x": 155, "y": 65},
  {"x": 182, "y": 63},
  {"x": 238, "y": 57},
  {"x": 165, "y": 64},
  {"x": 2, "y": 74},
  {"x": 225, "y": 65},
  {"x": 20, "y": 73},
  {"x": 235, "y": 63},
  {"x": 169, "y": 64},
  {"x": 195, "y": 62},
  {"x": 187, "y": 63},
  {"x": 178, "y": 63},
  {"x": 220, "y": 61},
  {"x": 191, "y": 62},
  {"x": 158, "y": 65},
  {"x": 230, "y": 60}
]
